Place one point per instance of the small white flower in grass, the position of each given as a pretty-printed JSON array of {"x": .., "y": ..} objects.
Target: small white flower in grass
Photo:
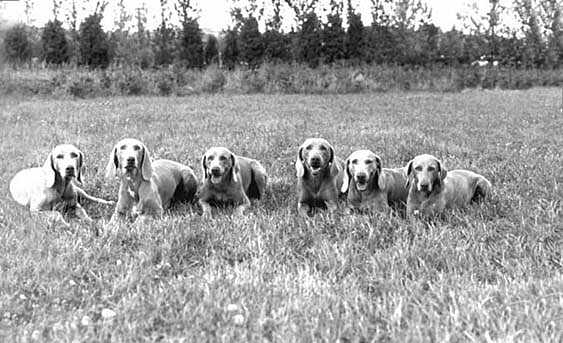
[
  {"x": 118, "y": 262},
  {"x": 22, "y": 297},
  {"x": 86, "y": 321},
  {"x": 72, "y": 283},
  {"x": 74, "y": 324},
  {"x": 238, "y": 319},
  {"x": 58, "y": 327},
  {"x": 232, "y": 308},
  {"x": 35, "y": 335},
  {"x": 108, "y": 313}
]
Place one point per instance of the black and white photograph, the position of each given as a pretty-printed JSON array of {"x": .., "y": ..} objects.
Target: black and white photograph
[{"x": 341, "y": 171}]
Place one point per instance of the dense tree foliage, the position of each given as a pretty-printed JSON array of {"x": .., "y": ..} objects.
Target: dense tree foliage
[
  {"x": 17, "y": 45},
  {"x": 211, "y": 50},
  {"x": 400, "y": 32},
  {"x": 93, "y": 43},
  {"x": 54, "y": 43},
  {"x": 250, "y": 43}
]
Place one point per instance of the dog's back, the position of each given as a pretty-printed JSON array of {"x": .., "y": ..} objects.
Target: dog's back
[
  {"x": 465, "y": 186},
  {"x": 175, "y": 181},
  {"x": 396, "y": 184},
  {"x": 26, "y": 184},
  {"x": 254, "y": 177}
]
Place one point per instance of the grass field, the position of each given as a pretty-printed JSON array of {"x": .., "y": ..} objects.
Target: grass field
[{"x": 490, "y": 273}]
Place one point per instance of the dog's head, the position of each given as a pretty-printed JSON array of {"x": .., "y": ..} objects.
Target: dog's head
[
  {"x": 64, "y": 161},
  {"x": 129, "y": 158},
  {"x": 315, "y": 156},
  {"x": 219, "y": 164},
  {"x": 363, "y": 168},
  {"x": 426, "y": 173}
]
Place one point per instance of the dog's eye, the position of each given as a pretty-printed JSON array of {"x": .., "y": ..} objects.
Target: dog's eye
[
  {"x": 322, "y": 147},
  {"x": 123, "y": 147},
  {"x": 222, "y": 158},
  {"x": 210, "y": 158},
  {"x": 73, "y": 155},
  {"x": 368, "y": 162},
  {"x": 431, "y": 168},
  {"x": 60, "y": 156},
  {"x": 309, "y": 147},
  {"x": 418, "y": 168},
  {"x": 354, "y": 161},
  {"x": 136, "y": 147}
]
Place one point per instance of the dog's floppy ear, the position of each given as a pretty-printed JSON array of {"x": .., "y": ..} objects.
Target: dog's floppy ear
[
  {"x": 235, "y": 168},
  {"x": 442, "y": 170},
  {"x": 50, "y": 171},
  {"x": 146, "y": 166},
  {"x": 409, "y": 174},
  {"x": 299, "y": 167},
  {"x": 113, "y": 164},
  {"x": 331, "y": 157},
  {"x": 347, "y": 178},
  {"x": 204, "y": 165},
  {"x": 381, "y": 179},
  {"x": 79, "y": 166}
]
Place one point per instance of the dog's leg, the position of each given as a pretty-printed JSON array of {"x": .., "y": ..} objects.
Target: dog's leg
[{"x": 303, "y": 209}]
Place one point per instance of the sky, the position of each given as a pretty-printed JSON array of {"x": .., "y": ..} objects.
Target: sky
[{"x": 213, "y": 15}]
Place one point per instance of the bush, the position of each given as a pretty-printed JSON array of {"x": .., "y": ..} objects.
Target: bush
[
  {"x": 83, "y": 86},
  {"x": 54, "y": 44},
  {"x": 132, "y": 82},
  {"x": 17, "y": 44},
  {"x": 269, "y": 78},
  {"x": 165, "y": 83},
  {"x": 213, "y": 80},
  {"x": 252, "y": 81}
]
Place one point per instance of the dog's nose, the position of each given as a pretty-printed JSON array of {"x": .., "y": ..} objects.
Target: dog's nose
[
  {"x": 130, "y": 160},
  {"x": 69, "y": 170},
  {"x": 315, "y": 162},
  {"x": 424, "y": 187},
  {"x": 362, "y": 177},
  {"x": 215, "y": 171}
]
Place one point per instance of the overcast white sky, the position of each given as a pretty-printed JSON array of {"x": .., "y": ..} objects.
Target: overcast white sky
[{"x": 214, "y": 14}]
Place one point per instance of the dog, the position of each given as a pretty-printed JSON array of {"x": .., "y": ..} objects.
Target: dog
[
  {"x": 53, "y": 188},
  {"x": 319, "y": 176},
  {"x": 230, "y": 179},
  {"x": 371, "y": 187},
  {"x": 432, "y": 188},
  {"x": 147, "y": 187}
]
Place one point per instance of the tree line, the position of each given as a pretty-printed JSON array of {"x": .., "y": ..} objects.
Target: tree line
[{"x": 401, "y": 32}]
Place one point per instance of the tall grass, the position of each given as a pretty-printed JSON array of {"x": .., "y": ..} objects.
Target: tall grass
[
  {"x": 269, "y": 79},
  {"x": 492, "y": 272}
]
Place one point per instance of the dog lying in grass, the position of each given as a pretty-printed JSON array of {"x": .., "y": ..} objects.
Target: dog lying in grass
[
  {"x": 147, "y": 187},
  {"x": 319, "y": 176},
  {"x": 371, "y": 187},
  {"x": 53, "y": 189},
  {"x": 230, "y": 179},
  {"x": 432, "y": 188}
]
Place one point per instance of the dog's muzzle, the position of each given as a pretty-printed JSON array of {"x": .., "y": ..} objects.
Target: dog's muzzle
[
  {"x": 361, "y": 181},
  {"x": 70, "y": 172}
]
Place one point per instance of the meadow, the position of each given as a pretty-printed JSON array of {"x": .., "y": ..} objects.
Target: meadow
[{"x": 491, "y": 273}]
